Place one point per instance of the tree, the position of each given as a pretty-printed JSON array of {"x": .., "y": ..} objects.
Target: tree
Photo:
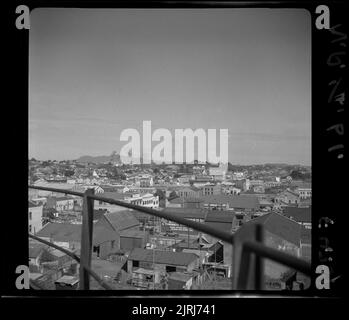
[
  {"x": 172, "y": 195},
  {"x": 69, "y": 173},
  {"x": 160, "y": 194}
]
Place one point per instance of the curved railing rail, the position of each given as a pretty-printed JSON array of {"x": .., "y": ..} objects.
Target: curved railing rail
[{"x": 244, "y": 277}]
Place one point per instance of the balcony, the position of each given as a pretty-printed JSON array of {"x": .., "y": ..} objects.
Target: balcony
[{"x": 249, "y": 251}]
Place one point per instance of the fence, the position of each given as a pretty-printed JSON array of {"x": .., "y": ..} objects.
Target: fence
[{"x": 249, "y": 250}]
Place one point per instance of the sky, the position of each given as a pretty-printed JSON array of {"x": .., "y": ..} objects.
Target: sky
[{"x": 96, "y": 72}]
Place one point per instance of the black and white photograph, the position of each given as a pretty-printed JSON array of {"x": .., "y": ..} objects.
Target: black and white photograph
[
  {"x": 204, "y": 114},
  {"x": 173, "y": 150}
]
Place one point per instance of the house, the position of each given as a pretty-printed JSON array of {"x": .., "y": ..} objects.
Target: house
[
  {"x": 285, "y": 198},
  {"x": 118, "y": 222},
  {"x": 144, "y": 181},
  {"x": 226, "y": 222},
  {"x": 259, "y": 189},
  {"x": 64, "y": 203},
  {"x": 189, "y": 192},
  {"x": 145, "y": 200},
  {"x": 164, "y": 261},
  {"x": 145, "y": 278},
  {"x": 280, "y": 233},
  {"x": 229, "y": 188},
  {"x": 300, "y": 215},
  {"x": 130, "y": 239},
  {"x": 210, "y": 189},
  {"x": 242, "y": 184},
  {"x": 35, "y": 217},
  {"x": 184, "y": 179},
  {"x": 68, "y": 236},
  {"x": 304, "y": 192},
  {"x": 257, "y": 182}
]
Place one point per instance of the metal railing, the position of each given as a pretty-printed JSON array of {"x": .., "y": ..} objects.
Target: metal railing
[{"x": 248, "y": 254}]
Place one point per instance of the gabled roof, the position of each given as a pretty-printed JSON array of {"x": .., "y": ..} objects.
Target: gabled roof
[
  {"x": 280, "y": 226},
  {"x": 68, "y": 232},
  {"x": 121, "y": 220},
  {"x": 65, "y": 232},
  {"x": 162, "y": 257},
  {"x": 298, "y": 214}
]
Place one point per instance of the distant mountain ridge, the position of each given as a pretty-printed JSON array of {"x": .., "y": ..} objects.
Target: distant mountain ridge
[{"x": 114, "y": 157}]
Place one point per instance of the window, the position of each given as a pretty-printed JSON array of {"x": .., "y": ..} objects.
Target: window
[
  {"x": 170, "y": 269},
  {"x": 96, "y": 249},
  {"x": 30, "y": 215}
]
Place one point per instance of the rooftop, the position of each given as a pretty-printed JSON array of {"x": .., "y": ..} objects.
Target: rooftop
[
  {"x": 121, "y": 220},
  {"x": 162, "y": 257},
  {"x": 298, "y": 214},
  {"x": 279, "y": 225},
  {"x": 68, "y": 232}
]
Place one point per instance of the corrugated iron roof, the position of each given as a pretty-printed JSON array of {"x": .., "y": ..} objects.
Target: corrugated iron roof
[
  {"x": 162, "y": 257},
  {"x": 121, "y": 220},
  {"x": 68, "y": 232},
  {"x": 280, "y": 226},
  {"x": 298, "y": 214}
]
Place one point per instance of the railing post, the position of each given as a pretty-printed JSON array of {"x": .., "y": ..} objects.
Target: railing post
[
  {"x": 244, "y": 270},
  {"x": 245, "y": 233},
  {"x": 248, "y": 271},
  {"x": 86, "y": 240},
  {"x": 259, "y": 267}
]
